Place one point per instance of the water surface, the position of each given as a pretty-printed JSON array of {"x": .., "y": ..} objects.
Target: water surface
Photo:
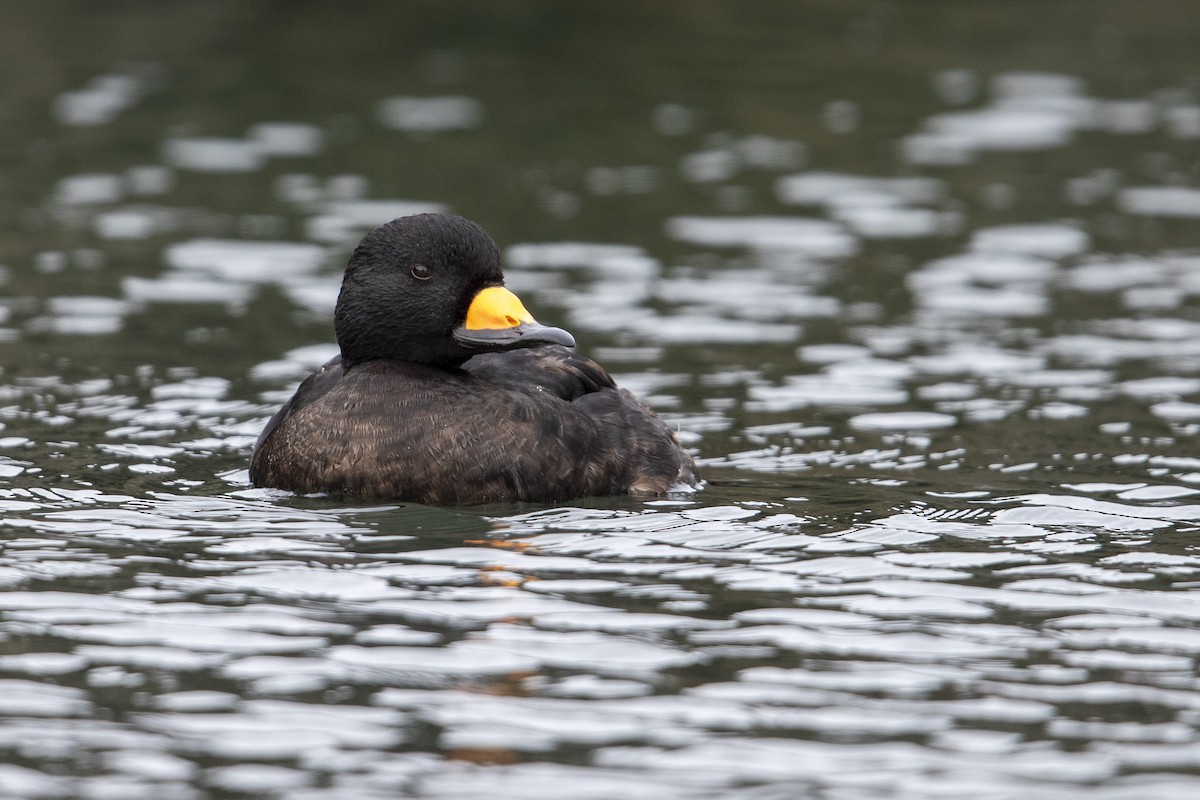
[{"x": 916, "y": 284}]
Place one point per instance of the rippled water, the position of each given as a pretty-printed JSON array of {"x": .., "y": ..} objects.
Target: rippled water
[{"x": 923, "y": 305}]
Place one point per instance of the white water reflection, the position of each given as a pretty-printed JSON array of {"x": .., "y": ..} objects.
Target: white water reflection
[
  {"x": 430, "y": 114},
  {"x": 288, "y": 139},
  {"x": 1160, "y": 201},
  {"x": 88, "y": 189},
  {"x": 1047, "y": 241},
  {"x": 818, "y": 238},
  {"x": 214, "y": 154},
  {"x": 105, "y": 97}
]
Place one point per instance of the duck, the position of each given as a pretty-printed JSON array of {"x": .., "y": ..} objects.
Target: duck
[{"x": 446, "y": 391}]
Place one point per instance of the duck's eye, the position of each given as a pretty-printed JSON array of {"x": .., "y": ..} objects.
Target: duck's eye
[{"x": 421, "y": 272}]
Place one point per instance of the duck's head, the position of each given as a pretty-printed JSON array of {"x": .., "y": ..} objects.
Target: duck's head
[{"x": 429, "y": 289}]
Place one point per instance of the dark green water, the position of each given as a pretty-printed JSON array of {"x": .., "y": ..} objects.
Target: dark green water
[{"x": 915, "y": 281}]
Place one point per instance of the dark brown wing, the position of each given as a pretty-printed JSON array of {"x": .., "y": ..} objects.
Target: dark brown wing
[
  {"x": 556, "y": 369},
  {"x": 652, "y": 460}
]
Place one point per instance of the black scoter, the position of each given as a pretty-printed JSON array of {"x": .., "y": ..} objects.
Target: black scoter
[{"x": 448, "y": 392}]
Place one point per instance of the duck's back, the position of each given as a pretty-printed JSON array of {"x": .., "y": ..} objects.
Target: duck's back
[{"x": 539, "y": 424}]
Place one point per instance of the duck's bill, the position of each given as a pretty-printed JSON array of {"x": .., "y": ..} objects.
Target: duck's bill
[
  {"x": 529, "y": 334},
  {"x": 497, "y": 320}
]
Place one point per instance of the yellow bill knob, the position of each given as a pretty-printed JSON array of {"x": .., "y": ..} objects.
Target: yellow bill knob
[{"x": 494, "y": 308}]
